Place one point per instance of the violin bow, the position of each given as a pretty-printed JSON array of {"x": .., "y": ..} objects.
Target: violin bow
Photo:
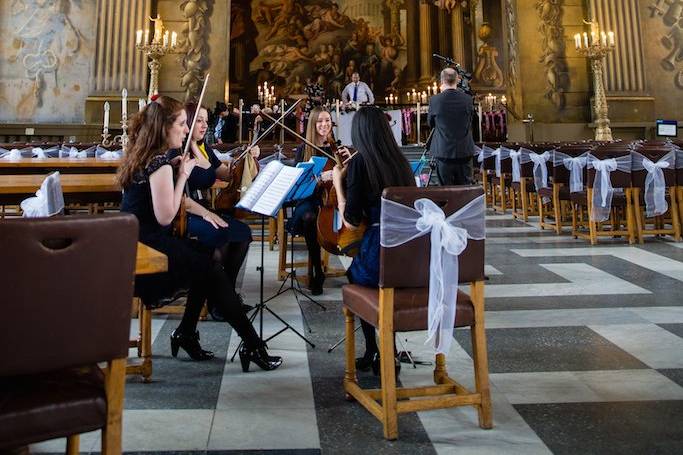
[
  {"x": 280, "y": 121},
  {"x": 196, "y": 114}
]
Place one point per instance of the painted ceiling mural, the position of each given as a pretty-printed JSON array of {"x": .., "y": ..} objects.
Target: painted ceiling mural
[{"x": 325, "y": 41}]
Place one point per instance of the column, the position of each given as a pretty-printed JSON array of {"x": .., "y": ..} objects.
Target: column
[
  {"x": 425, "y": 42},
  {"x": 118, "y": 64},
  {"x": 458, "y": 35},
  {"x": 412, "y": 30},
  {"x": 444, "y": 42},
  {"x": 624, "y": 69}
]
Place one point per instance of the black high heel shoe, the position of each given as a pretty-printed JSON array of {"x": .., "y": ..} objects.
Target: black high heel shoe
[
  {"x": 190, "y": 344},
  {"x": 376, "y": 366},
  {"x": 260, "y": 357},
  {"x": 365, "y": 363}
]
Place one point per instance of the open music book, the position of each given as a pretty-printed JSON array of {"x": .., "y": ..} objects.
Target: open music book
[{"x": 272, "y": 185}]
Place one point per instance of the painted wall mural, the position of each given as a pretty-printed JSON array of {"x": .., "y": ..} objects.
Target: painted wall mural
[
  {"x": 670, "y": 13},
  {"x": 45, "y": 63},
  {"x": 553, "y": 58},
  {"x": 290, "y": 42}
]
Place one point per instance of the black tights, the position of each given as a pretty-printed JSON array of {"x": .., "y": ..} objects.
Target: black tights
[
  {"x": 219, "y": 285},
  {"x": 370, "y": 340},
  {"x": 232, "y": 256},
  {"x": 310, "y": 231}
]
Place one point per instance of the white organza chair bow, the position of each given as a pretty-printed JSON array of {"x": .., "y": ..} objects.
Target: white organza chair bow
[
  {"x": 73, "y": 152},
  {"x": 102, "y": 153},
  {"x": 503, "y": 175},
  {"x": 660, "y": 178},
  {"x": 523, "y": 194},
  {"x": 48, "y": 201},
  {"x": 486, "y": 165},
  {"x": 415, "y": 296}
]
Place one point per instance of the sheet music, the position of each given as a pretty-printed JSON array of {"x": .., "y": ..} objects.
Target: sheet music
[
  {"x": 263, "y": 179},
  {"x": 270, "y": 201}
]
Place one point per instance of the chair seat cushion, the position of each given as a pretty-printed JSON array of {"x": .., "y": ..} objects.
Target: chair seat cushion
[
  {"x": 45, "y": 406},
  {"x": 410, "y": 307}
]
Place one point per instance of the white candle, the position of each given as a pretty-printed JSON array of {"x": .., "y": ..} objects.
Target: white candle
[
  {"x": 386, "y": 100},
  {"x": 577, "y": 41},
  {"x": 585, "y": 39},
  {"x": 610, "y": 35},
  {"x": 603, "y": 38},
  {"x": 106, "y": 115},
  {"x": 147, "y": 36},
  {"x": 141, "y": 104},
  {"x": 165, "y": 39},
  {"x": 594, "y": 38},
  {"x": 138, "y": 37},
  {"x": 434, "y": 87},
  {"x": 174, "y": 39},
  {"x": 124, "y": 102}
]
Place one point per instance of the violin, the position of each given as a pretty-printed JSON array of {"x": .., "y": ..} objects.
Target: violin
[{"x": 342, "y": 241}]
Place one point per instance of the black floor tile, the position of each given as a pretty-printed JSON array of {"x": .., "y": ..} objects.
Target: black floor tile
[
  {"x": 550, "y": 349},
  {"x": 675, "y": 374},
  {"x": 646, "y": 427},
  {"x": 676, "y": 329}
]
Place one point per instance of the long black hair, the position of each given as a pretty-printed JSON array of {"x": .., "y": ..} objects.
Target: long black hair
[{"x": 384, "y": 161}]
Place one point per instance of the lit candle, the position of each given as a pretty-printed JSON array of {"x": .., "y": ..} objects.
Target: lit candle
[
  {"x": 124, "y": 102},
  {"x": 435, "y": 88},
  {"x": 603, "y": 39},
  {"x": 174, "y": 39},
  {"x": 141, "y": 104},
  {"x": 424, "y": 97},
  {"x": 610, "y": 36},
  {"x": 386, "y": 100},
  {"x": 138, "y": 37},
  {"x": 147, "y": 36},
  {"x": 577, "y": 40},
  {"x": 503, "y": 100},
  {"x": 165, "y": 39},
  {"x": 585, "y": 39},
  {"x": 106, "y": 115},
  {"x": 594, "y": 38},
  {"x": 408, "y": 97},
  {"x": 391, "y": 99}
]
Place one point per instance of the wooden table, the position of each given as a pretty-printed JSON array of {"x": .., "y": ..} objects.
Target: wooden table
[
  {"x": 63, "y": 165},
  {"x": 148, "y": 261},
  {"x": 71, "y": 183}
]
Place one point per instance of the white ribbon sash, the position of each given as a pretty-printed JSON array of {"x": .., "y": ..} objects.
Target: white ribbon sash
[
  {"x": 484, "y": 152},
  {"x": 655, "y": 184},
  {"x": 104, "y": 154},
  {"x": 602, "y": 185},
  {"x": 400, "y": 224},
  {"x": 501, "y": 153},
  {"x": 575, "y": 165},
  {"x": 48, "y": 201},
  {"x": 518, "y": 157},
  {"x": 540, "y": 168}
]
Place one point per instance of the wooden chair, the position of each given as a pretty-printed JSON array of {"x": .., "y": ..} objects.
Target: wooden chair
[
  {"x": 655, "y": 152},
  {"x": 61, "y": 325},
  {"x": 400, "y": 305},
  {"x": 523, "y": 192},
  {"x": 501, "y": 192}
]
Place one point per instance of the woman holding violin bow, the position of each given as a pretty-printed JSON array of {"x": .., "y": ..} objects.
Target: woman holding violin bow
[
  {"x": 228, "y": 236},
  {"x": 155, "y": 195},
  {"x": 358, "y": 181}
]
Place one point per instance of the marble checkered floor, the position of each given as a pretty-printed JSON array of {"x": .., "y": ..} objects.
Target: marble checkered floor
[{"x": 585, "y": 352}]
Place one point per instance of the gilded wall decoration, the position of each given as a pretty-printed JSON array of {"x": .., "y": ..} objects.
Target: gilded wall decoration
[
  {"x": 317, "y": 40},
  {"x": 670, "y": 12},
  {"x": 513, "y": 50},
  {"x": 487, "y": 72},
  {"x": 553, "y": 50},
  {"x": 196, "y": 35}
]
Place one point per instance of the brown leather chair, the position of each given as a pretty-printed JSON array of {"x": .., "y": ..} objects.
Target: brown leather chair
[
  {"x": 400, "y": 305},
  {"x": 67, "y": 286}
]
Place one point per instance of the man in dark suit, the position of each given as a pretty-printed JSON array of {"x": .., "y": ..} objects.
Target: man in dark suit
[{"x": 452, "y": 146}]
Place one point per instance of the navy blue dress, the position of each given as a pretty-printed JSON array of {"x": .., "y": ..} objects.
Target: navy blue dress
[
  {"x": 199, "y": 181},
  {"x": 363, "y": 204}
]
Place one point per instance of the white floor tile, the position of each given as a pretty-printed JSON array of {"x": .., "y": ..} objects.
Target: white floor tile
[{"x": 652, "y": 345}]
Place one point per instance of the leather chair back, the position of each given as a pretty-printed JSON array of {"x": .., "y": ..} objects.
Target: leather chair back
[
  {"x": 67, "y": 289},
  {"x": 619, "y": 179},
  {"x": 407, "y": 265},
  {"x": 654, "y": 154}
]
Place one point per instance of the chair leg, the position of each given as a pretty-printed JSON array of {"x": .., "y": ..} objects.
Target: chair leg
[
  {"x": 480, "y": 356},
  {"x": 146, "y": 342},
  {"x": 557, "y": 207},
  {"x": 350, "y": 348},
  {"x": 524, "y": 196},
  {"x": 630, "y": 217},
  {"x": 639, "y": 220},
  {"x": 73, "y": 444},
  {"x": 674, "y": 214},
  {"x": 115, "y": 382},
  {"x": 386, "y": 352}
]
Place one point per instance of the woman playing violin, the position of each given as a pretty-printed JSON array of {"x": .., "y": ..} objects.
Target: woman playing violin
[
  {"x": 229, "y": 237},
  {"x": 305, "y": 217},
  {"x": 377, "y": 164},
  {"x": 154, "y": 196}
]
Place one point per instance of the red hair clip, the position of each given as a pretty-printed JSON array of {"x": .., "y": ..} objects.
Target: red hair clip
[{"x": 154, "y": 97}]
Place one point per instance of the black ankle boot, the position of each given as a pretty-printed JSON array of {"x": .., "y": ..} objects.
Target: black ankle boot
[
  {"x": 260, "y": 357},
  {"x": 365, "y": 363},
  {"x": 190, "y": 344},
  {"x": 315, "y": 282},
  {"x": 376, "y": 366}
]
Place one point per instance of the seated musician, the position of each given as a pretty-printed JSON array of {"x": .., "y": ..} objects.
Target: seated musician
[
  {"x": 154, "y": 196},
  {"x": 305, "y": 217},
  {"x": 229, "y": 237},
  {"x": 378, "y": 163}
]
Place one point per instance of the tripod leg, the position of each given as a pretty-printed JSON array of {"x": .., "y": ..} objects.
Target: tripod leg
[
  {"x": 410, "y": 358},
  {"x": 336, "y": 345}
]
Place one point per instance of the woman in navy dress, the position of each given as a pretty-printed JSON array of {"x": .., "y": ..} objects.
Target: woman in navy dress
[
  {"x": 304, "y": 220},
  {"x": 154, "y": 196},
  {"x": 378, "y": 164},
  {"x": 229, "y": 237}
]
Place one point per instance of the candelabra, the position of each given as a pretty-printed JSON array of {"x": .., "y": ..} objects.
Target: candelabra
[
  {"x": 595, "y": 47},
  {"x": 154, "y": 50},
  {"x": 120, "y": 139},
  {"x": 266, "y": 95}
]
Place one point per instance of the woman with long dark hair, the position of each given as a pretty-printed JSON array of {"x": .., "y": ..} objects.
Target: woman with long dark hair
[
  {"x": 229, "y": 237},
  {"x": 378, "y": 163},
  {"x": 304, "y": 221},
  {"x": 154, "y": 196}
]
